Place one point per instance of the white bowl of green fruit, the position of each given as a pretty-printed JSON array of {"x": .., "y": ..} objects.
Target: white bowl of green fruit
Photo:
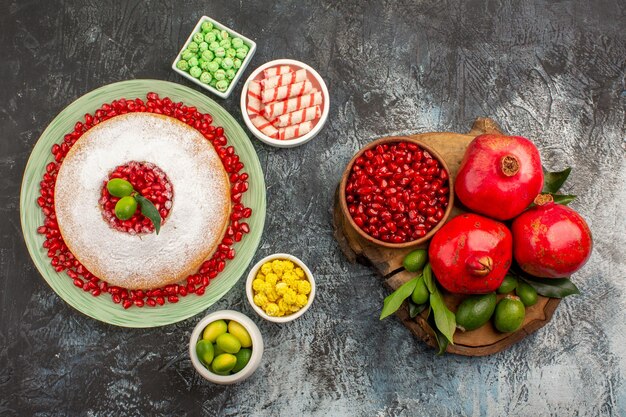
[{"x": 226, "y": 347}]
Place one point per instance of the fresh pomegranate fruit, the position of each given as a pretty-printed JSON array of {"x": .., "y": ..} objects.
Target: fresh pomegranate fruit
[
  {"x": 551, "y": 240},
  {"x": 471, "y": 254},
  {"x": 499, "y": 175}
]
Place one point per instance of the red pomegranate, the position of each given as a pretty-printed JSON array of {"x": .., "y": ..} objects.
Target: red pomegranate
[
  {"x": 551, "y": 240},
  {"x": 499, "y": 175},
  {"x": 471, "y": 254}
]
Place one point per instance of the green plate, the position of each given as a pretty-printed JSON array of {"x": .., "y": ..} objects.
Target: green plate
[{"x": 102, "y": 308}]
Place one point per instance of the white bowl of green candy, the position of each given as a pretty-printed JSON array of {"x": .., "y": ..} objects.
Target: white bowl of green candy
[{"x": 214, "y": 57}]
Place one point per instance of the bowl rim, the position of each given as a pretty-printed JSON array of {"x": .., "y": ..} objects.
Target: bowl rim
[
  {"x": 344, "y": 205},
  {"x": 257, "y": 347},
  {"x": 244, "y": 63},
  {"x": 290, "y": 143},
  {"x": 250, "y": 292}
]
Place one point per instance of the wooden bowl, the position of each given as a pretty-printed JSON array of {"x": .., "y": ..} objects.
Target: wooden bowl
[{"x": 344, "y": 205}]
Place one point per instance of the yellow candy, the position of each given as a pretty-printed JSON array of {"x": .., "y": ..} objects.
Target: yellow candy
[
  {"x": 299, "y": 272},
  {"x": 304, "y": 286},
  {"x": 301, "y": 300},
  {"x": 260, "y": 300},
  {"x": 260, "y": 276},
  {"x": 272, "y": 309},
  {"x": 266, "y": 268},
  {"x": 271, "y": 295},
  {"x": 288, "y": 266},
  {"x": 283, "y": 306},
  {"x": 289, "y": 279},
  {"x": 271, "y": 278},
  {"x": 277, "y": 266},
  {"x": 290, "y": 296},
  {"x": 258, "y": 285},
  {"x": 294, "y": 308},
  {"x": 281, "y": 288}
]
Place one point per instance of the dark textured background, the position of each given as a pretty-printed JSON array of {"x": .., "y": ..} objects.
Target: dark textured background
[{"x": 549, "y": 70}]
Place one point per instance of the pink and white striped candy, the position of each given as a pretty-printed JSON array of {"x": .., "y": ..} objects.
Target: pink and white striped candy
[
  {"x": 264, "y": 126},
  {"x": 284, "y": 79},
  {"x": 274, "y": 71},
  {"x": 254, "y": 98},
  {"x": 294, "y": 131},
  {"x": 278, "y": 108},
  {"x": 298, "y": 116},
  {"x": 286, "y": 91}
]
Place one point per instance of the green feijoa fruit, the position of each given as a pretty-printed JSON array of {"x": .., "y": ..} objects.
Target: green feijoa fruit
[
  {"x": 213, "y": 330},
  {"x": 508, "y": 284},
  {"x": 224, "y": 363},
  {"x": 118, "y": 187},
  {"x": 125, "y": 208},
  {"x": 243, "y": 357},
  {"x": 420, "y": 293},
  {"x": 526, "y": 293},
  {"x": 509, "y": 315},
  {"x": 205, "y": 351},
  {"x": 475, "y": 311},
  {"x": 415, "y": 260},
  {"x": 217, "y": 350},
  {"x": 240, "y": 333},
  {"x": 228, "y": 343}
]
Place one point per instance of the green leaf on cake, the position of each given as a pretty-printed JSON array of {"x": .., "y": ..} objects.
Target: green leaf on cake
[{"x": 148, "y": 210}]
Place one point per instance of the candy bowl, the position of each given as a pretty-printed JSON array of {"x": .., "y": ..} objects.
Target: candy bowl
[
  {"x": 396, "y": 192},
  {"x": 285, "y": 103},
  {"x": 240, "y": 331},
  {"x": 214, "y": 57},
  {"x": 280, "y": 288}
]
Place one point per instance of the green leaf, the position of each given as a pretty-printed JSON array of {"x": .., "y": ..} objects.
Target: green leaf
[
  {"x": 428, "y": 278},
  {"x": 552, "y": 287},
  {"x": 553, "y": 181},
  {"x": 564, "y": 199},
  {"x": 148, "y": 210},
  {"x": 444, "y": 318},
  {"x": 442, "y": 342},
  {"x": 415, "y": 309},
  {"x": 394, "y": 300}
]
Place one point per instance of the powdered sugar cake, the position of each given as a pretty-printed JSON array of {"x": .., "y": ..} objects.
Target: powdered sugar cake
[{"x": 196, "y": 223}]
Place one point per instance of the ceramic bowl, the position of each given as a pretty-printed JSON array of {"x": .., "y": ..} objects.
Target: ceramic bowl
[
  {"x": 257, "y": 347},
  {"x": 288, "y": 143},
  {"x": 250, "y": 291},
  {"x": 249, "y": 42},
  {"x": 367, "y": 237}
]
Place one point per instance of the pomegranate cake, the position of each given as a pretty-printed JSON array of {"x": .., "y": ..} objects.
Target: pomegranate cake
[{"x": 193, "y": 199}]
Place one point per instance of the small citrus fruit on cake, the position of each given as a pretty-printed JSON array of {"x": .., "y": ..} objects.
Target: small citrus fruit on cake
[{"x": 143, "y": 202}]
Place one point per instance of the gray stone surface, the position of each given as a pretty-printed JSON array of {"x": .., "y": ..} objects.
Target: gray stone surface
[{"x": 551, "y": 71}]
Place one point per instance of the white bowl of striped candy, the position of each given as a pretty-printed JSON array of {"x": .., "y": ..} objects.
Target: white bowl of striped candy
[{"x": 285, "y": 103}]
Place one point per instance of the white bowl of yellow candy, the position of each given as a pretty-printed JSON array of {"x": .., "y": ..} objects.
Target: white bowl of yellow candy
[{"x": 280, "y": 288}]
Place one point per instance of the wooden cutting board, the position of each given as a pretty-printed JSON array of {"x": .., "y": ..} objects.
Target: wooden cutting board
[{"x": 388, "y": 262}]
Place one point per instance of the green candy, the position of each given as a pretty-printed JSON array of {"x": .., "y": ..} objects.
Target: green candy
[
  {"x": 193, "y": 62},
  {"x": 195, "y": 72},
  {"x": 231, "y": 53},
  {"x": 241, "y": 53},
  {"x": 213, "y": 82},
  {"x": 210, "y": 37},
  {"x": 213, "y": 66},
  {"x": 230, "y": 73},
  {"x": 182, "y": 65},
  {"x": 208, "y": 56},
  {"x": 220, "y": 74},
  {"x": 218, "y": 60},
  {"x": 220, "y": 52},
  {"x": 204, "y": 65},
  {"x": 205, "y": 77},
  {"x": 224, "y": 34},
  {"x": 206, "y": 27},
  {"x": 198, "y": 37},
  {"x": 187, "y": 54},
  {"x": 225, "y": 43},
  {"x": 227, "y": 63},
  {"x": 237, "y": 42},
  {"x": 213, "y": 46},
  {"x": 203, "y": 46},
  {"x": 218, "y": 34},
  {"x": 193, "y": 47},
  {"x": 236, "y": 63},
  {"x": 222, "y": 85}
]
